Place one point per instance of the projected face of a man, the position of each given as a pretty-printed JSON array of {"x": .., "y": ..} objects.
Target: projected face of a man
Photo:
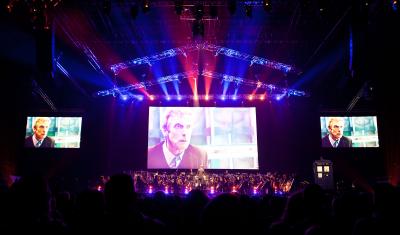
[
  {"x": 336, "y": 126},
  {"x": 178, "y": 131},
  {"x": 41, "y": 128}
]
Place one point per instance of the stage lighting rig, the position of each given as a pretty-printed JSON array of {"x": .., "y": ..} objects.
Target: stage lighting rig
[
  {"x": 267, "y": 5},
  {"x": 37, "y": 12},
  {"x": 270, "y": 88},
  {"x": 196, "y": 12},
  {"x": 143, "y": 85},
  {"x": 145, "y": 6},
  {"x": 218, "y": 50}
]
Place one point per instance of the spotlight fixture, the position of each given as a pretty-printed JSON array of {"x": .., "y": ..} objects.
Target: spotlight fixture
[
  {"x": 37, "y": 13},
  {"x": 395, "y": 5},
  {"x": 217, "y": 50},
  {"x": 322, "y": 6},
  {"x": 145, "y": 6}
]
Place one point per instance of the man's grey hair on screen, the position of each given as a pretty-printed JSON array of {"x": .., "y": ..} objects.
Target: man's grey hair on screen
[
  {"x": 180, "y": 112},
  {"x": 37, "y": 119}
]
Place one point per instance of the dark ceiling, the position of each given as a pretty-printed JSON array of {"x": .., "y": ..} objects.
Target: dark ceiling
[{"x": 327, "y": 41}]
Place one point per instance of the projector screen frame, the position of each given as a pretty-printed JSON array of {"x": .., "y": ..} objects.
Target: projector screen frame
[
  {"x": 354, "y": 126},
  {"x": 54, "y": 116},
  {"x": 215, "y": 148}
]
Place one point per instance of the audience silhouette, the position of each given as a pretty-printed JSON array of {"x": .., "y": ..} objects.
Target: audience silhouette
[{"x": 30, "y": 204}]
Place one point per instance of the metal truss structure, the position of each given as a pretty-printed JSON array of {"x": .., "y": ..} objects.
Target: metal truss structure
[
  {"x": 218, "y": 50},
  {"x": 143, "y": 85},
  {"x": 270, "y": 88}
]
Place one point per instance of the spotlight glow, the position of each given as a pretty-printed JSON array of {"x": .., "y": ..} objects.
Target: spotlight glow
[
  {"x": 187, "y": 190},
  {"x": 124, "y": 97},
  {"x": 166, "y": 190}
]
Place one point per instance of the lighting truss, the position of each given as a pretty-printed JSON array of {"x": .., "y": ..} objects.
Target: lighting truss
[
  {"x": 218, "y": 50},
  {"x": 92, "y": 59},
  {"x": 206, "y": 73},
  {"x": 192, "y": 18},
  {"x": 249, "y": 58},
  {"x": 116, "y": 68},
  {"x": 253, "y": 2},
  {"x": 252, "y": 83},
  {"x": 237, "y": 97},
  {"x": 143, "y": 85}
]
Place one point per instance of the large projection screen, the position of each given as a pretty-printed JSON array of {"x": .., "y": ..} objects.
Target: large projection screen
[
  {"x": 353, "y": 131},
  {"x": 53, "y": 132},
  {"x": 202, "y": 137}
]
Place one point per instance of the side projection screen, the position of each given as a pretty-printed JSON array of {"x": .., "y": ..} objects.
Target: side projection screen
[
  {"x": 202, "y": 137},
  {"x": 53, "y": 132},
  {"x": 349, "y": 132}
]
